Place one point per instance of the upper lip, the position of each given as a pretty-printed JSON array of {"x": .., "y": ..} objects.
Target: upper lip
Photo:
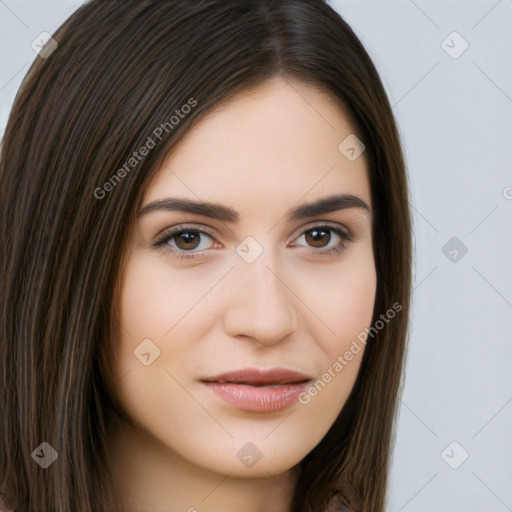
[{"x": 259, "y": 377}]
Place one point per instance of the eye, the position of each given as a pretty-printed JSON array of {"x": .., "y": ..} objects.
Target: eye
[
  {"x": 327, "y": 239},
  {"x": 191, "y": 242},
  {"x": 182, "y": 240}
]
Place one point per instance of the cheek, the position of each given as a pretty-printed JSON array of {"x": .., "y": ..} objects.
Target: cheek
[
  {"x": 153, "y": 313},
  {"x": 144, "y": 299},
  {"x": 159, "y": 304},
  {"x": 149, "y": 307},
  {"x": 342, "y": 298},
  {"x": 154, "y": 299},
  {"x": 346, "y": 306},
  {"x": 352, "y": 309}
]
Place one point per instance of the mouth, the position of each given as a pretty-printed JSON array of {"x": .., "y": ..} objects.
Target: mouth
[{"x": 259, "y": 390}]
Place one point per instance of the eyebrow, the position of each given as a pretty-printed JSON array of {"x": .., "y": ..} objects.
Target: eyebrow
[{"x": 224, "y": 213}]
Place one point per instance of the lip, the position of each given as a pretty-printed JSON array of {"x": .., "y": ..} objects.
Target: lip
[{"x": 259, "y": 390}]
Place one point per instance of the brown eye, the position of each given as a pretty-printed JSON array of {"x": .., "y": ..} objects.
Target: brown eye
[
  {"x": 187, "y": 240},
  {"x": 318, "y": 237},
  {"x": 324, "y": 240},
  {"x": 183, "y": 240}
]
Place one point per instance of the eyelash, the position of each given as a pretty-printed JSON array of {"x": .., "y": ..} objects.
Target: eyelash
[{"x": 182, "y": 254}]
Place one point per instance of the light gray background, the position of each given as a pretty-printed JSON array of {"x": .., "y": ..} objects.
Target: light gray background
[{"x": 455, "y": 117}]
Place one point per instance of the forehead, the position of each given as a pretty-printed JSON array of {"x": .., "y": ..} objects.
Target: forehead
[{"x": 273, "y": 145}]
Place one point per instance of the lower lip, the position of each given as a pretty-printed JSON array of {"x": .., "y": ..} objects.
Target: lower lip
[{"x": 258, "y": 399}]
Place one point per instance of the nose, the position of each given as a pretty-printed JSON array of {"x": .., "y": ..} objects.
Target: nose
[{"x": 259, "y": 305}]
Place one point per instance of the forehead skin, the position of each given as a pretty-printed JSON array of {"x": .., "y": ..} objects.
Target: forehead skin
[{"x": 263, "y": 157}]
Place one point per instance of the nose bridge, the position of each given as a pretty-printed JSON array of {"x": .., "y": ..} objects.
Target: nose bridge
[{"x": 259, "y": 305}]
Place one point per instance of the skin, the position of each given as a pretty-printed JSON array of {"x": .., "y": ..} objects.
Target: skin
[{"x": 262, "y": 153}]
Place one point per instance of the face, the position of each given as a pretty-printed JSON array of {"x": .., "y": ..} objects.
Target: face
[{"x": 243, "y": 286}]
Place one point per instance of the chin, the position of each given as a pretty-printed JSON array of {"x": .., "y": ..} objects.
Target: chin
[{"x": 250, "y": 456}]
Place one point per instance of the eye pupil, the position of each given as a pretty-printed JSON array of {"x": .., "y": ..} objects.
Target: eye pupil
[
  {"x": 187, "y": 240},
  {"x": 318, "y": 237}
]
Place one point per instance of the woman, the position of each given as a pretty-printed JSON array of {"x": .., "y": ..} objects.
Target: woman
[{"x": 206, "y": 264}]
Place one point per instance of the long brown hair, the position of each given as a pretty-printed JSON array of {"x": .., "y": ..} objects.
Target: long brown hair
[{"x": 121, "y": 69}]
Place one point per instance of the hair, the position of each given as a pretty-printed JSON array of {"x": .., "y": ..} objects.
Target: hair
[{"x": 121, "y": 70}]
